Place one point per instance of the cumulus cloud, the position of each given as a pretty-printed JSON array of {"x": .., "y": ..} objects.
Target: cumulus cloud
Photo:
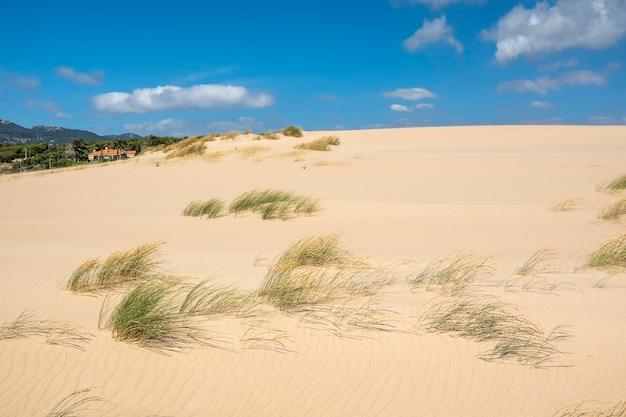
[
  {"x": 541, "y": 104},
  {"x": 424, "y": 106},
  {"x": 169, "y": 97},
  {"x": 413, "y": 94},
  {"x": 9, "y": 79},
  {"x": 543, "y": 85},
  {"x": 171, "y": 126},
  {"x": 91, "y": 78},
  {"x": 49, "y": 106},
  {"x": 432, "y": 32},
  {"x": 435, "y": 4},
  {"x": 592, "y": 24},
  {"x": 399, "y": 107}
]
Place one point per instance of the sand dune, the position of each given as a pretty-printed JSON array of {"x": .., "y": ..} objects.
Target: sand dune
[{"x": 401, "y": 198}]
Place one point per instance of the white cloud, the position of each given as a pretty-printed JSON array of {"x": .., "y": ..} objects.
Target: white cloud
[
  {"x": 399, "y": 107},
  {"x": 435, "y": 4},
  {"x": 169, "y": 97},
  {"x": 541, "y": 104},
  {"x": 49, "y": 106},
  {"x": 432, "y": 32},
  {"x": 91, "y": 78},
  {"x": 592, "y": 24},
  {"x": 415, "y": 93},
  {"x": 424, "y": 106},
  {"x": 543, "y": 85},
  {"x": 19, "y": 82},
  {"x": 173, "y": 127},
  {"x": 601, "y": 120}
]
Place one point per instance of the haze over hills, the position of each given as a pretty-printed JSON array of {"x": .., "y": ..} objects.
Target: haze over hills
[{"x": 11, "y": 133}]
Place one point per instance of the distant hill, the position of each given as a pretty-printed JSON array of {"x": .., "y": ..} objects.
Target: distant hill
[{"x": 10, "y": 133}]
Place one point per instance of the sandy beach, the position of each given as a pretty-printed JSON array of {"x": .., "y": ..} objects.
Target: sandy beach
[{"x": 399, "y": 199}]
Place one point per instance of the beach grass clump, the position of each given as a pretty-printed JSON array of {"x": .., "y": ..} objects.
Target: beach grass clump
[
  {"x": 451, "y": 275},
  {"x": 79, "y": 403},
  {"x": 615, "y": 211},
  {"x": 149, "y": 316},
  {"x": 56, "y": 333},
  {"x": 322, "y": 144},
  {"x": 273, "y": 204},
  {"x": 230, "y": 135},
  {"x": 617, "y": 184},
  {"x": 567, "y": 204},
  {"x": 318, "y": 269},
  {"x": 187, "y": 147},
  {"x": 542, "y": 261},
  {"x": 483, "y": 318},
  {"x": 208, "y": 298},
  {"x": 294, "y": 131},
  {"x": 125, "y": 266},
  {"x": 269, "y": 135},
  {"x": 593, "y": 409},
  {"x": 610, "y": 255},
  {"x": 211, "y": 208}
]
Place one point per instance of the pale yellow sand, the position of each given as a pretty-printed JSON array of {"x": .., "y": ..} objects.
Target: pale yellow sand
[{"x": 395, "y": 195}]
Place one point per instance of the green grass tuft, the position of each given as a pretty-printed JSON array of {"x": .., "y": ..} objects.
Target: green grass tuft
[
  {"x": 121, "y": 267},
  {"x": 453, "y": 274},
  {"x": 207, "y": 298},
  {"x": 187, "y": 147},
  {"x": 320, "y": 251},
  {"x": 540, "y": 262},
  {"x": 293, "y": 131},
  {"x": 615, "y": 211},
  {"x": 211, "y": 209},
  {"x": 610, "y": 255},
  {"x": 618, "y": 183},
  {"x": 272, "y": 204},
  {"x": 568, "y": 204},
  {"x": 322, "y": 144}
]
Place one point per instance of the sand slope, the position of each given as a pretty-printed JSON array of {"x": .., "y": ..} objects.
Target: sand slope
[{"x": 395, "y": 195}]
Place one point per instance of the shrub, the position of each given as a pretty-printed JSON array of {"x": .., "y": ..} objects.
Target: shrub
[
  {"x": 272, "y": 204},
  {"x": 294, "y": 131},
  {"x": 211, "y": 209},
  {"x": 322, "y": 144}
]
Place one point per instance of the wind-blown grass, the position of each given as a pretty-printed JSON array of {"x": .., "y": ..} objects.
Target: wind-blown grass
[
  {"x": 294, "y": 131},
  {"x": 56, "y": 333},
  {"x": 541, "y": 261},
  {"x": 121, "y": 267},
  {"x": 207, "y": 298},
  {"x": 452, "y": 274},
  {"x": 610, "y": 255},
  {"x": 568, "y": 204},
  {"x": 78, "y": 403},
  {"x": 211, "y": 208},
  {"x": 593, "y": 409},
  {"x": 482, "y": 318},
  {"x": 187, "y": 147},
  {"x": 273, "y": 204},
  {"x": 615, "y": 211},
  {"x": 617, "y": 184},
  {"x": 322, "y": 144}
]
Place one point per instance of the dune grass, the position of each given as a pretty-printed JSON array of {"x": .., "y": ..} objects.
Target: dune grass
[
  {"x": 187, "y": 147},
  {"x": 615, "y": 211},
  {"x": 121, "y": 267},
  {"x": 322, "y": 144},
  {"x": 593, "y": 409},
  {"x": 273, "y": 204},
  {"x": 294, "y": 131},
  {"x": 617, "y": 184},
  {"x": 567, "y": 204},
  {"x": 56, "y": 333},
  {"x": 451, "y": 275},
  {"x": 211, "y": 208},
  {"x": 542, "y": 261},
  {"x": 268, "y": 136},
  {"x": 79, "y": 403},
  {"x": 208, "y": 298},
  {"x": 482, "y": 318},
  {"x": 229, "y": 136},
  {"x": 318, "y": 269},
  {"x": 610, "y": 255}
]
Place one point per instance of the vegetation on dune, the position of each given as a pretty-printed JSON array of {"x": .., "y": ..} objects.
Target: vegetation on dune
[
  {"x": 610, "y": 255},
  {"x": 121, "y": 267},
  {"x": 211, "y": 208},
  {"x": 79, "y": 403},
  {"x": 593, "y": 409},
  {"x": 294, "y": 131},
  {"x": 541, "y": 261},
  {"x": 56, "y": 333},
  {"x": 568, "y": 204},
  {"x": 273, "y": 204},
  {"x": 615, "y": 211},
  {"x": 618, "y": 183},
  {"x": 208, "y": 298},
  {"x": 322, "y": 144}
]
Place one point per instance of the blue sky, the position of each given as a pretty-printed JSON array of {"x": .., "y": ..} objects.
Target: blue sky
[{"x": 192, "y": 67}]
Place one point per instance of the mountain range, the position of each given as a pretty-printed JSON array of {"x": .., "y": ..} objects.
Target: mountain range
[{"x": 11, "y": 133}]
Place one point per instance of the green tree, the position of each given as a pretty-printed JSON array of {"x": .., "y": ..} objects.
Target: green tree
[{"x": 79, "y": 147}]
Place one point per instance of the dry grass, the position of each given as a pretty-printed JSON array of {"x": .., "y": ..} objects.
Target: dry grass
[
  {"x": 453, "y": 274},
  {"x": 56, "y": 333},
  {"x": 540, "y": 262},
  {"x": 567, "y": 204},
  {"x": 121, "y": 267},
  {"x": 482, "y": 318},
  {"x": 294, "y": 131},
  {"x": 262, "y": 335},
  {"x": 192, "y": 146},
  {"x": 78, "y": 403},
  {"x": 615, "y": 211},
  {"x": 322, "y": 144},
  {"x": 211, "y": 208},
  {"x": 209, "y": 298},
  {"x": 610, "y": 255},
  {"x": 593, "y": 409},
  {"x": 273, "y": 204}
]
